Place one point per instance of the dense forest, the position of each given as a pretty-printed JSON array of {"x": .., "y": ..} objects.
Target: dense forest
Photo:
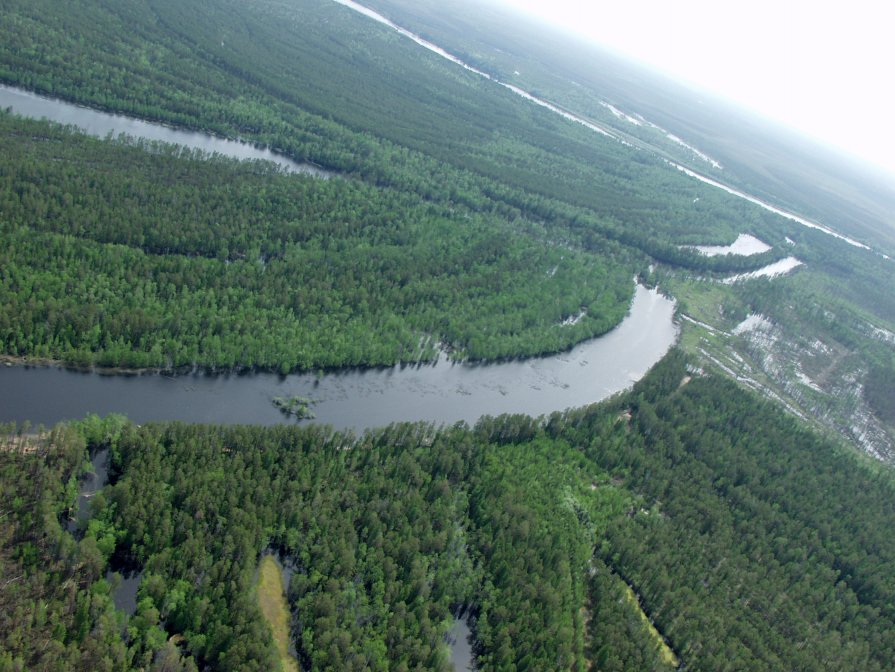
[
  {"x": 647, "y": 109},
  {"x": 748, "y": 541},
  {"x": 120, "y": 253},
  {"x": 685, "y": 524},
  {"x": 438, "y": 234}
]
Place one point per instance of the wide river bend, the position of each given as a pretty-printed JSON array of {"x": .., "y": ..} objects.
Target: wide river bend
[
  {"x": 356, "y": 399},
  {"x": 442, "y": 393}
]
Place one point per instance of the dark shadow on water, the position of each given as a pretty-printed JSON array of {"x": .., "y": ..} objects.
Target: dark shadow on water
[{"x": 124, "y": 590}]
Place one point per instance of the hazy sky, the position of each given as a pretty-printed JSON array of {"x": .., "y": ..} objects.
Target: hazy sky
[{"x": 827, "y": 68}]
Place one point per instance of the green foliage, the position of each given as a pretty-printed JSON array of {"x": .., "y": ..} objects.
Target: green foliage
[
  {"x": 458, "y": 228},
  {"x": 309, "y": 79},
  {"x": 621, "y": 641},
  {"x": 102, "y": 432},
  {"x": 537, "y": 509},
  {"x": 297, "y": 406},
  {"x": 759, "y": 536},
  {"x": 56, "y": 612},
  {"x": 123, "y": 257},
  {"x": 374, "y": 530},
  {"x": 460, "y": 214},
  {"x": 751, "y": 543}
]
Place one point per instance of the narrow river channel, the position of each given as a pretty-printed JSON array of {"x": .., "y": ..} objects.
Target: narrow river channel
[{"x": 101, "y": 124}]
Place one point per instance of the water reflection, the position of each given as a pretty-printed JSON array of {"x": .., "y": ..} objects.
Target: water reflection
[
  {"x": 124, "y": 590},
  {"x": 101, "y": 124},
  {"x": 459, "y": 640},
  {"x": 359, "y": 399}
]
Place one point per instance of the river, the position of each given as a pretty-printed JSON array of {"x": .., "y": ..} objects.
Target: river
[
  {"x": 459, "y": 639},
  {"x": 101, "y": 124},
  {"x": 359, "y": 399},
  {"x": 355, "y": 399}
]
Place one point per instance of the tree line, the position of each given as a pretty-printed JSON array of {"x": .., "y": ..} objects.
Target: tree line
[{"x": 749, "y": 542}]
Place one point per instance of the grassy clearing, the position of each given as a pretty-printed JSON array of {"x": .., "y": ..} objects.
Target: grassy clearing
[
  {"x": 668, "y": 655},
  {"x": 701, "y": 299},
  {"x": 272, "y": 599}
]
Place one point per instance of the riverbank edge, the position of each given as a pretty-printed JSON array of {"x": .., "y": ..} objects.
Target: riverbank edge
[{"x": 443, "y": 350}]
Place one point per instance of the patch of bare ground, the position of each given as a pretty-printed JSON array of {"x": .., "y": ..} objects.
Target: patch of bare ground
[{"x": 24, "y": 444}]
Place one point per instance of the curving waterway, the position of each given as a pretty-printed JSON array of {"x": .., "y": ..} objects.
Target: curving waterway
[
  {"x": 101, "y": 124},
  {"x": 356, "y": 399},
  {"x": 359, "y": 399}
]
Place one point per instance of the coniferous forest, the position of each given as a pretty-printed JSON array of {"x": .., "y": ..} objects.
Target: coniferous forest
[
  {"x": 751, "y": 543},
  {"x": 688, "y": 523},
  {"x": 125, "y": 255},
  {"x": 426, "y": 234}
]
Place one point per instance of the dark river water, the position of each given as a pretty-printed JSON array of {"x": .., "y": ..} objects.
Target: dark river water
[
  {"x": 90, "y": 484},
  {"x": 459, "y": 640},
  {"x": 356, "y": 399},
  {"x": 359, "y": 399},
  {"x": 125, "y": 586}
]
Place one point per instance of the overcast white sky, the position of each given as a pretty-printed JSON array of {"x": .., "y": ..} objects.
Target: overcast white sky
[{"x": 826, "y": 68}]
